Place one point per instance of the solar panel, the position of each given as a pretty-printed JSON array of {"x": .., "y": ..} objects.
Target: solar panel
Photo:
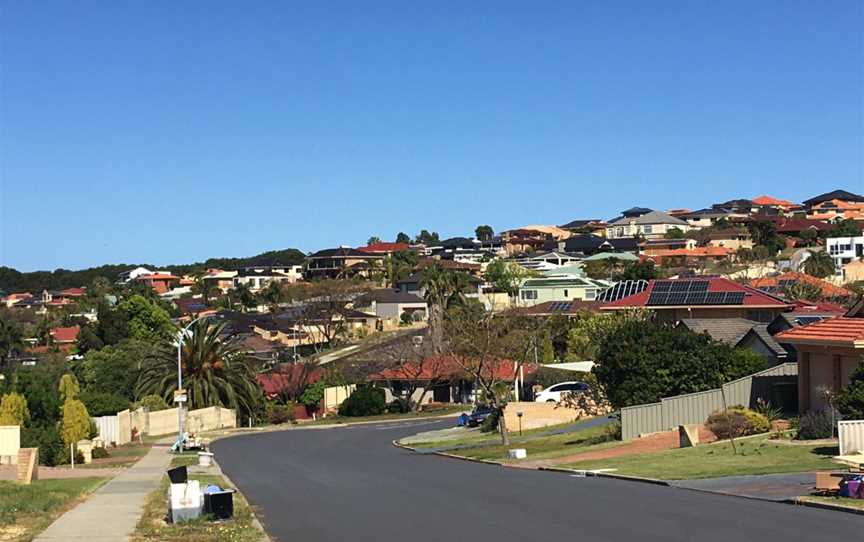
[
  {"x": 804, "y": 320},
  {"x": 622, "y": 289},
  {"x": 699, "y": 286},
  {"x": 734, "y": 298},
  {"x": 560, "y": 306},
  {"x": 657, "y": 298},
  {"x": 696, "y": 298},
  {"x": 662, "y": 286}
]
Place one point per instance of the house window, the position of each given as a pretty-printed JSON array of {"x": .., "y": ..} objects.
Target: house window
[
  {"x": 648, "y": 228},
  {"x": 528, "y": 294},
  {"x": 565, "y": 293},
  {"x": 590, "y": 295}
]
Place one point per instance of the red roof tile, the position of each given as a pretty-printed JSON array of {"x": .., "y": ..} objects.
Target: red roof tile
[
  {"x": 73, "y": 292},
  {"x": 839, "y": 331},
  {"x": 752, "y": 296},
  {"x": 768, "y": 200},
  {"x": 65, "y": 334},
  {"x": 828, "y": 289},
  {"x": 289, "y": 378},
  {"x": 820, "y": 307},
  {"x": 157, "y": 276},
  {"x": 377, "y": 248}
]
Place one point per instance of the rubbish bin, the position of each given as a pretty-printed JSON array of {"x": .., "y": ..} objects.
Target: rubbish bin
[
  {"x": 205, "y": 459},
  {"x": 178, "y": 475},
  {"x": 220, "y": 504}
]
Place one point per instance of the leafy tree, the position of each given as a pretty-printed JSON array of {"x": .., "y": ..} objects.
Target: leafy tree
[
  {"x": 764, "y": 233},
  {"x": 69, "y": 388},
  {"x": 364, "y": 401},
  {"x": 819, "y": 264},
  {"x": 38, "y": 387},
  {"x": 638, "y": 271},
  {"x": 642, "y": 362},
  {"x": 506, "y": 276},
  {"x": 104, "y": 404},
  {"x": 214, "y": 374},
  {"x": 13, "y": 410},
  {"x": 401, "y": 264},
  {"x": 148, "y": 321},
  {"x": 589, "y": 330},
  {"x": 76, "y": 422},
  {"x": 114, "y": 369},
  {"x": 846, "y": 228},
  {"x": 599, "y": 269},
  {"x": 272, "y": 295},
  {"x": 88, "y": 340},
  {"x": 403, "y": 237},
  {"x": 674, "y": 233},
  {"x": 484, "y": 233},
  {"x": 373, "y": 240},
  {"x": 440, "y": 287},
  {"x": 428, "y": 239},
  {"x": 153, "y": 403},
  {"x": 808, "y": 236},
  {"x": 850, "y": 401},
  {"x": 243, "y": 295},
  {"x": 113, "y": 324},
  {"x": 11, "y": 340},
  {"x": 802, "y": 290},
  {"x": 313, "y": 395}
]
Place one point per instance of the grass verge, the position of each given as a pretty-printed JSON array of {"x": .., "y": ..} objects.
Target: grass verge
[
  {"x": 185, "y": 459},
  {"x": 857, "y": 504},
  {"x": 152, "y": 525},
  {"x": 755, "y": 456},
  {"x": 28, "y": 510},
  {"x": 594, "y": 438}
]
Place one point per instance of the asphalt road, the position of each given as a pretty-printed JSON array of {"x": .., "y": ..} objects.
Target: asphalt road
[{"x": 352, "y": 484}]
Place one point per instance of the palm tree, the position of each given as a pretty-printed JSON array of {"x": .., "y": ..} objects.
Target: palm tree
[
  {"x": 440, "y": 288},
  {"x": 214, "y": 374},
  {"x": 10, "y": 340},
  {"x": 819, "y": 264}
]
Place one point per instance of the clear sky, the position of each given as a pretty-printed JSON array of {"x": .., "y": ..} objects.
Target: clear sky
[{"x": 169, "y": 132}]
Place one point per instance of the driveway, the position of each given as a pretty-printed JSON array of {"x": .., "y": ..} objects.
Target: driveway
[{"x": 352, "y": 484}]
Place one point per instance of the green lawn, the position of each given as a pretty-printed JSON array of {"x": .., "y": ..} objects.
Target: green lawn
[
  {"x": 841, "y": 501},
  {"x": 756, "y": 456},
  {"x": 152, "y": 525},
  {"x": 28, "y": 510},
  {"x": 186, "y": 458},
  {"x": 594, "y": 438}
]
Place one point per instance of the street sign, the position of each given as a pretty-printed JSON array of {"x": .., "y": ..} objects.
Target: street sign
[{"x": 180, "y": 396}]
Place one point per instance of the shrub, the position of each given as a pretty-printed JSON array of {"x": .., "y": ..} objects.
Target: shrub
[
  {"x": 770, "y": 412},
  {"x": 62, "y": 457},
  {"x": 13, "y": 410},
  {"x": 365, "y": 401},
  {"x": 490, "y": 424},
  {"x": 850, "y": 401},
  {"x": 47, "y": 439},
  {"x": 153, "y": 403},
  {"x": 279, "y": 414},
  {"x": 405, "y": 319},
  {"x": 398, "y": 406},
  {"x": 100, "y": 453},
  {"x": 103, "y": 404},
  {"x": 815, "y": 425},
  {"x": 737, "y": 421}
]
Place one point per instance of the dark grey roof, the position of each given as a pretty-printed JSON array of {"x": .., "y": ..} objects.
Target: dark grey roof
[
  {"x": 588, "y": 243},
  {"x": 836, "y": 194},
  {"x": 387, "y": 295},
  {"x": 459, "y": 242},
  {"x": 574, "y": 224},
  {"x": 732, "y": 331},
  {"x": 652, "y": 217},
  {"x": 343, "y": 252}
]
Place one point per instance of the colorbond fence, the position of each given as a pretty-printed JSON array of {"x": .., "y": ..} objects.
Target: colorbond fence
[
  {"x": 851, "y": 435},
  {"x": 10, "y": 443},
  {"x": 693, "y": 408},
  {"x": 108, "y": 428}
]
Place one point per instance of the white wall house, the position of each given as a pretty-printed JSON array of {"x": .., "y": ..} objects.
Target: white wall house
[
  {"x": 844, "y": 250},
  {"x": 535, "y": 291},
  {"x": 651, "y": 225}
]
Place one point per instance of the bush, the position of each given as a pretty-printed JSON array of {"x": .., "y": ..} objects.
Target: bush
[
  {"x": 13, "y": 410},
  {"x": 490, "y": 424},
  {"x": 279, "y": 414},
  {"x": 398, "y": 406},
  {"x": 365, "y": 401},
  {"x": 47, "y": 439},
  {"x": 62, "y": 457},
  {"x": 153, "y": 403},
  {"x": 737, "y": 421},
  {"x": 100, "y": 453},
  {"x": 815, "y": 425},
  {"x": 103, "y": 404}
]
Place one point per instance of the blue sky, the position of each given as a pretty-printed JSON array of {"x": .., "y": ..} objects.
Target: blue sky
[{"x": 169, "y": 132}]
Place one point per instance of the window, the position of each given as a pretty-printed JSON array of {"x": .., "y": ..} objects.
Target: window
[
  {"x": 648, "y": 228},
  {"x": 528, "y": 294},
  {"x": 565, "y": 294},
  {"x": 590, "y": 295}
]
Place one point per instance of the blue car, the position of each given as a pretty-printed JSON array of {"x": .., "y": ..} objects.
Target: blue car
[{"x": 478, "y": 415}]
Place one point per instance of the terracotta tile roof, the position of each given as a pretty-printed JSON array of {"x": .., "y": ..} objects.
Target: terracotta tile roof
[
  {"x": 446, "y": 368},
  {"x": 840, "y": 331},
  {"x": 820, "y": 307},
  {"x": 828, "y": 289},
  {"x": 288, "y": 378},
  {"x": 375, "y": 248},
  {"x": 73, "y": 292},
  {"x": 65, "y": 334},
  {"x": 697, "y": 252},
  {"x": 768, "y": 200},
  {"x": 752, "y": 296},
  {"x": 157, "y": 276}
]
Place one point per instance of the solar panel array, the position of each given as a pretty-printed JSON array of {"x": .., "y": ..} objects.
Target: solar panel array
[
  {"x": 804, "y": 320},
  {"x": 560, "y": 306},
  {"x": 622, "y": 289},
  {"x": 690, "y": 292}
]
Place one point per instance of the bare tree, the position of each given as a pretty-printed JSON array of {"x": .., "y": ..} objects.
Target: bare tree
[{"x": 324, "y": 307}]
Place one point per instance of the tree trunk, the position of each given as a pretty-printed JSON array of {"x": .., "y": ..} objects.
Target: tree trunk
[{"x": 502, "y": 428}]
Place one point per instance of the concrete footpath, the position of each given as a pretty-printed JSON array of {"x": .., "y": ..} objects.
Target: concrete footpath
[{"x": 112, "y": 513}]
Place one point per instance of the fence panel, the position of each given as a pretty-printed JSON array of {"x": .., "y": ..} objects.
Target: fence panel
[
  {"x": 10, "y": 443},
  {"x": 851, "y": 436},
  {"x": 108, "y": 428},
  {"x": 690, "y": 408},
  {"x": 637, "y": 420}
]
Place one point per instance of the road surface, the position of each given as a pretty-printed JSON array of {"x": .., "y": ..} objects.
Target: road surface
[{"x": 352, "y": 484}]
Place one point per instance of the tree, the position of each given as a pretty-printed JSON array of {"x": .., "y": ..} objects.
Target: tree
[
  {"x": 69, "y": 388},
  {"x": 104, "y": 403},
  {"x": 850, "y": 401},
  {"x": 11, "y": 340},
  {"x": 153, "y": 403},
  {"x": 272, "y": 295},
  {"x": 440, "y": 286},
  {"x": 506, "y": 276},
  {"x": 313, "y": 395},
  {"x": 819, "y": 264},
  {"x": 112, "y": 324},
  {"x": 674, "y": 233},
  {"x": 148, "y": 321},
  {"x": 76, "y": 422},
  {"x": 637, "y": 271},
  {"x": 808, "y": 236},
  {"x": 642, "y": 362},
  {"x": 325, "y": 306},
  {"x": 38, "y": 387},
  {"x": 802, "y": 290},
  {"x": 243, "y": 295},
  {"x": 588, "y": 331},
  {"x": 846, "y": 228},
  {"x": 428, "y": 239},
  {"x": 13, "y": 410},
  {"x": 114, "y": 369},
  {"x": 400, "y": 265},
  {"x": 764, "y": 233},
  {"x": 403, "y": 237},
  {"x": 374, "y": 240},
  {"x": 88, "y": 340},
  {"x": 214, "y": 374},
  {"x": 484, "y": 233}
]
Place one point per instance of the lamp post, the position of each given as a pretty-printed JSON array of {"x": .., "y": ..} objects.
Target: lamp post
[{"x": 179, "y": 396}]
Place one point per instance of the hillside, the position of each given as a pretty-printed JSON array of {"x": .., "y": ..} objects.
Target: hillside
[{"x": 12, "y": 280}]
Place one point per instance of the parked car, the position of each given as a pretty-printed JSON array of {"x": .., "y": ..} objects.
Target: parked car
[
  {"x": 553, "y": 393},
  {"x": 478, "y": 415}
]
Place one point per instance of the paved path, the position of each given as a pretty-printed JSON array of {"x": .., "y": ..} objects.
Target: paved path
[
  {"x": 112, "y": 512},
  {"x": 352, "y": 484},
  {"x": 771, "y": 487}
]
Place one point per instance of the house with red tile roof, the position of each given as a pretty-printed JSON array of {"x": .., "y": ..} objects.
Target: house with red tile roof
[
  {"x": 776, "y": 285},
  {"x": 673, "y": 300},
  {"x": 160, "y": 282},
  {"x": 385, "y": 248},
  {"x": 64, "y": 335},
  {"x": 775, "y": 203},
  {"x": 829, "y": 351},
  {"x": 690, "y": 256}
]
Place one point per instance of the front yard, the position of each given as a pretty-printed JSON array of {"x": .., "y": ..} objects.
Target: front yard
[
  {"x": 755, "y": 456},
  {"x": 26, "y": 510}
]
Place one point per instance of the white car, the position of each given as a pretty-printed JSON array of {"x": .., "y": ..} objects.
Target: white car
[{"x": 553, "y": 393}]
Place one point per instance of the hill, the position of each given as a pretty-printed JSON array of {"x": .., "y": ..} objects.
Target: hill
[{"x": 12, "y": 280}]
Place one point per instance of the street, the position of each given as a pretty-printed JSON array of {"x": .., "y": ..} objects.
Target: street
[{"x": 353, "y": 484}]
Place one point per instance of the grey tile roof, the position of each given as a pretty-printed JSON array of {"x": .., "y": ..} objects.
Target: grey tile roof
[
  {"x": 654, "y": 217},
  {"x": 733, "y": 330}
]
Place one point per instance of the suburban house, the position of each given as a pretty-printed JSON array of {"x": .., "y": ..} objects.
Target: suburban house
[
  {"x": 546, "y": 261},
  {"x": 690, "y": 257},
  {"x": 835, "y": 205},
  {"x": 219, "y": 279},
  {"x": 559, "y": 287},
  {"x": 732, "y": 238},
  {"x": 342, "y": 262},
  {"x": 160, "y": 282},
  {"x": 775, "y": 206},
  {"x": 258, "y": 277},
  {"x": 524, "y": 240},
  {"x": 794, "y": 226},
  {"x": 779, "y": 283},
  {"x": 588, "y": 244},
  {"x": 385, "y": 249},
  {"x": 829, "y": 351},
  {"x": 645, "y": 223},
  {"x": 460, "y": 248},
  {"x": 132, "y": 274},
  {"x": 13, "y": 299},
  {"x": 64, "y": 338},
  {"x": 192, "y": 306},
  {"x": 844, "y": 250},
  {"x": 703, "y": 297},
  {"x": 387, "y": 303},
  {"x": 592, "y": 225},
  {"x": 739, "y": 333},
  {"x": 704, "y": 218},
  {"x": 651, "y": 247}
]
